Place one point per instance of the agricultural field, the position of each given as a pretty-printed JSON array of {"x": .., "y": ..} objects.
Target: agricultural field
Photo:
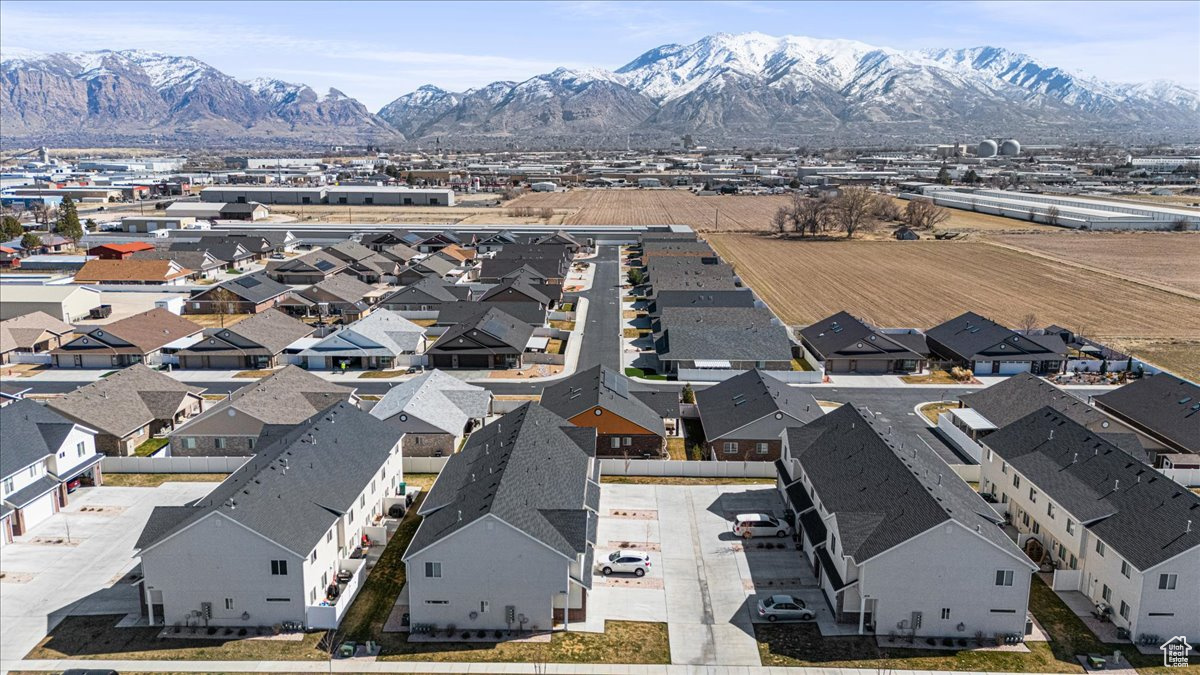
[
  {"x": 1167, "y": 258},
  {"x": 970, "y": 221},
  {"x": 424, "y": 215},
  {"x": 718, "y": 213}
]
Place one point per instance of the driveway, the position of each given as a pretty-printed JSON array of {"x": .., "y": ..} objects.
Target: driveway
[
  {"x": 86, "y": 573},
  {"x": 703, "y": 580}
]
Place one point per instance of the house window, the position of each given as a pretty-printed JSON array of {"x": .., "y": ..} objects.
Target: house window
[
  {"x": 433, "y": 570},
  {"x": 79, "y": 449},
  {"x": 1032, "y": 496},
  {"x": 990, "y": 455},
  {"x": 615, "y": 442},
  {"x": 945, "y": 614},
  {"x": 1100, "y": 547},
  {"x": 189, "y": 442},
  {"x": 313, "y": 557},
  {"x": 362, "y": 501},
  {"x": 280, "y": 599},
  {"x": 483, "y": 606},
  {"x": 1003, "y": 467},
  {"x": 1037, "y": 528},
  {"x": 1003, "y": 497},
  {"x": 1125, "y": 569},
  {"x": 731, "y": 447},
  {"x": 1016, "y": 481},
  {"x": 1074, "y": 562},
  {"x": 1004, "y": 577},
  {"x": 1106, "y": 593},
  {"x": 312, "y": 596},
  {"x": 8, "y": 485},
  {"x": 1050, "y": 510},
  {"x": 1070, "y": 526},
  {"x": 278, "y": 568},
  {"x": 219, "y": 443},
  {"x": 33, "y": 471},
  {"x": 627, "y": 441},
  {"x": 437, "y": 602},
  {"x": 1166, "y": 582},
  {"x": 329, "y": 535},
  {"x": 228, "y": 603},
  {"x": 760, "y": 448},
  {"x": 252, "y": 442},
  {"x": 1124, "y": 610}
]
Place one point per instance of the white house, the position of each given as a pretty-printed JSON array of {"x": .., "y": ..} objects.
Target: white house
[
  {"x": 382, "y": 339},
  {"x": 509, "y": 528},
  {"x": 1112, "y": 527},
  {"x": 43, "y": 456},
  {"x": 898, "y": 543},
  {"x": 282, "y": 538}
]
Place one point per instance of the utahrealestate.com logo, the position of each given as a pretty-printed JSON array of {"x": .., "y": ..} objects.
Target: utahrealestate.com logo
[{"x": 1175, "y": 652}]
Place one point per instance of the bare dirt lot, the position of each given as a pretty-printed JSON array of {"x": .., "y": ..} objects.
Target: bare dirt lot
[
  {"x": 970, "y": 221},
  {"x": 718, "y": 213},
  {"x": 1169, "y": 258},
  {"x": 433, "y": 215}
]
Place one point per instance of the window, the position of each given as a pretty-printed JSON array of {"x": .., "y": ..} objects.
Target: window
[
  {"x": 1100, "y": 547},
  {"x": 312, "y": 597},
  {"x": 1003, "y": 497},
  {"x": 1124, "y": 610},
  {"x": 627, "y": 441},
  {"x": 1125, "y": 569},
  {"x": 219, "y": 443},
  {"x": 33, "y": 471},
  {"x": 945, "y": 613},
  {"x": 615, "y": 442},
  {"x": 483, "y": 606},
  {"x": 278, "y": 568},
  {"x": 1070, "y": 526},
  {"x": 314, "y": 555},
  {"x": 433, "y": 570},
  {"x": 189, "y": 442},
  {"x": 1004, "y": 577},
  {"x": 730, "y": 447},
  {"x": 1106, "y": 593},
  {"x": 1003, "y": 611},
  {"x": 437, "y": 602},
  {"x": 1016, "y": 481},
  {"x": 362, "y": 500},
  {"x": 252, "y": 442},
  {"x": 79, "y": 449},
  {"x": 833, "y": 543},
  {"x": 8, "y": 485},
  {"x": 1003, "y": 467},
  {"x": 1050, "y": 510},
  {"x": 760, "y": 448},
  {"x": 1074, "y": 562},
  {"x": 228, "y": 603},
  {"x": 1032, "y": 496},
  {"x": 990, "y": 458},
  {"x": 1166, "y": 582},
  {"x": 1037, "y": 528},
  {"x": 329, "y": 535}
]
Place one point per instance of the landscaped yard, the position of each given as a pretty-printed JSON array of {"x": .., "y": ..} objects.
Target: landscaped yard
[
  {"x": 563, "y": 325},
  {"x": 676, "y": 448},
  {"x": 638, "y": 372},
  {"x": 696, "y": 441},
  {"x": 156, "y": 479},
  {"x": 932, "y": 410},
  {"x": 624, "y": 642},
  {"x": 256, "y": 374},
  {"x": 932, "y": 377},
  {"x": 150, "y": 446},
  {"x": 380, "y": 374}
]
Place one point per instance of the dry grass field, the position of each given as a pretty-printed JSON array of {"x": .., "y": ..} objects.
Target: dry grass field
[
  {"x": 433, "y": 215},
  {"x": 723, "y": 213},
  {"x": 1167, "y": 258}
]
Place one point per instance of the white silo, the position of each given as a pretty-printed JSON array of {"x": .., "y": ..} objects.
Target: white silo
[
  {"x": 1010, "y": 148},
  {"x": 986, "y": 149}
]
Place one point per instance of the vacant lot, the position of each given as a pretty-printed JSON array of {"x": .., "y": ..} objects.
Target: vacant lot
[
  {"x": 723, "y": 213},
  {"x": 1168, "y": 258},
  {"x": 924, "y": 283}
]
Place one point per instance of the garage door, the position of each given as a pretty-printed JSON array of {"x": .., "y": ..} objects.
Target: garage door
[
  {"x": 473, "y": 361},
  {"x": 38, "y": 511},
  {"x": 1013, "y": 367}
]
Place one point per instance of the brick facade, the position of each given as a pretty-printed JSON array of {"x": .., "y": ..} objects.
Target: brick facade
[
  {"x": 639, "y": 445},
  {"x": 747, "y": 450},
  {"x": 428, "y": 445}
]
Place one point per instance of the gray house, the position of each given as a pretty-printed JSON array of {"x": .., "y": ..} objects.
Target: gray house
[
  {"x": 435, "y": 411},
  {"x": 254, "y": 342},
  {"x": 744, "y": 415},
  {"x": 525, "y": 490}
]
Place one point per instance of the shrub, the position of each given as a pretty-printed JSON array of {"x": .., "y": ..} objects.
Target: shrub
[
  {"x": 498, "y": 634},
  {"x": 466, "y": 635},
  {"x": 480, "y": 633},
  {"x": 241, "y": 632},
  {"x": 212, "y": 630}
]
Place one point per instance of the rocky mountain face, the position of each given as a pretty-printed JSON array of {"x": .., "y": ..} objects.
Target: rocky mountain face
[
  {"x": 149, "y": 96},
  {"x": 749, "y": 88}
]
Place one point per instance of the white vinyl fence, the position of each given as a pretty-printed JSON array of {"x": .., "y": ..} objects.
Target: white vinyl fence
[
  {"x": 424, "y": 464},
  {"x": 1185, "y": 477},
  {"x": 172, "y": 464},
  {"x": 30, "y": 357},
  {"x": 687, "y": 469}
]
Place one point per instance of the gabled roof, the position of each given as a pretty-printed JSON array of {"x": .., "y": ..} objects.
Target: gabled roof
[
  {"x": 1015, "y": 397},
  {"x": 431, "y": 287},
  {"x": 435, "y": 265},
  {"x": 316, "y": 261},
  {"x": 349, "y": 250},
  {"x": 296, "y": 488},
  {"x": 255, "y": 288},
  {"x": 126, "y": 401},
  {"x": 391, "y": 332},
  {"x": 1163, "y": 404},
  {"x": 192, "y": 260},
  {"x": 503, "y": 327},
  {"x": 148, "y": 331},
  {"x": 526, "y": 469},
  {"x": 124, "y": 247},
  {"x": 1134, "y": 509},
  {"x": 344, "y": 286},
  {"x": 289, "y": 396},
  {"x": 23, "y": 332},
  {"x": 131, "y": 269},
  {"x": 31, "y": 432},
  {"x": 845, "y": 336},
  {"x": 970, "y": 335},
  {"x": 272, "y": 330},
  {"x": 456, "y": 253},
  {"x": 696, "y": 298},
  {"x": 399, "y": 253},
  {"x": 437, "y": 399},
  {"x": 603, "y": 387},
  {"x": 730, "y": 405},
  {"x": 453, "y": 313},
  {"x": 513, "y": 287},
  {"x": 722, "y": 333},
  {"x": 221, "y": 248},
  {"x": 883, "y": 494}
]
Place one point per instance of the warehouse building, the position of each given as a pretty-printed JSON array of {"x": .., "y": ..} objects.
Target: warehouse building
[
  {"x": 243, "y": 194},
  {"x": 1065, "y": 211},
  {"x": 390, "y": 196}
]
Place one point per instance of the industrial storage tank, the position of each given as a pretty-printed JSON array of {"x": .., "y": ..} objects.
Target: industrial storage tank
[
  {"x": 1010, "y": 148},
  {"x": 986, "y": 149}
]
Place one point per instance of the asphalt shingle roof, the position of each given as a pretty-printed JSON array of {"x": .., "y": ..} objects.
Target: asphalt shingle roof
[
  {"x": 753, "y": 395},
  {"x": 439, "y": 400},
  {"x": 289, "y": 396},
  {"x": 1015, "y": 397},
  {"x": 726, "y": 334},
  {"x": 600, "y": 386},
  {"x": 255, "y": 288},
  {"x": 31, "y": 432},
  {"x": 970, "y": 335},
  {"x": 125, "y": 401},
  {"x": 844, "y": 335},
  {"x": 1164, "y": 404}
]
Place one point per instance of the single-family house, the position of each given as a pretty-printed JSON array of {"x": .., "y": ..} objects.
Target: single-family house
[
  {"x": 429, "y": 266},
  {"x": 1163, "y": 409},
  {"x": 524, "y": 488},
  {"x": 309, "y": 268},
  {"x": 380, "y": 340},
  {"x": 600, "y": 398},
  {"x": 454, "y": 313},
  {"x": 723, "y": 340},
  {"x": 130, "y": 271},
  {"x": 495, "y": 241},
  {"x": 135, "y": 339},
  {"x": 341, "y": 295},
  {"x": 230, "y": 250},
  {"x": 33, "y": 333},
  {"x": 399, "y": 252},
  {"x": 254, "y": 343},
  {"x": 435, "y": 411},
  {"x": 987, "y": 348},
  {"x": 283, "y": 538},
  {"x": 437, "y": 242},
  {"x": 130, "y": 407},
  {"x": 516, "y": 290},
  {"x": 119, "y": 251},
  {"x": 384, "y": 240},
  {"x": 744, "y": 415},
  {"x": 491, "y": 339},
  {"x": 201, "y": 264},
  {"x": 238, "y": 424},
  {"x": 899, "y": 544},
  {"x": 423, "y": 297},
  {"x": 248, "y": 294},
  {"x": 843, "y": 343}
]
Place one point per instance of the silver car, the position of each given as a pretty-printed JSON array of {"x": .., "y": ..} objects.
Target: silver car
[
  {"x": 628, "y": 562},
  {"x": 785, "y": 608}
]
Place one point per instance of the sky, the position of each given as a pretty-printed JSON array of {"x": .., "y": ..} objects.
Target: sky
[{"x": 377, "y": 51}]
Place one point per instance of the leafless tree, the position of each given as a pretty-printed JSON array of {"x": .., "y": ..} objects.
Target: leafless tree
[
  {"x": 1052, "y": 214},
  {"x": 812, "y": 215},
  {"x": 886, "y": 208},
  {"x": 922, "y": 214},
  {"x": 853, "y": 209},
  {"x": 1028, "y": 322},
  {"x": 782, "y": 219}
]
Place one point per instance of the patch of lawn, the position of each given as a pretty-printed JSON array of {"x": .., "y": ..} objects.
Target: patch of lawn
[
  {"x": 214, "y": 397},
  {"x": 150, "y": 446},
  {"x": 638, "y": 372},
  {"x": 567, "y": 307},
  {"x": 628, "y": 298},
  {"x": 676, "y": 448},
  {"x": 684, "y": 480},
  {"x": 563, "y": 325},
  {"x": 624, "y": 642},
  {"x": 256, "y": 374},
  {"x": 1070, "y": 636},
  {"x": 424, "y": 323},
  {"x": 932, "y": 410},
  {"x": 366, "y": 616},
  {"x": 934, "y": 377},
  {"x": 156, "y": 479},
  {"x": 380, "y": 374},
  {"x": 556, "y": 346},
  {"x": 96, "y": 637},
  {"x": 633, "y": 334}
]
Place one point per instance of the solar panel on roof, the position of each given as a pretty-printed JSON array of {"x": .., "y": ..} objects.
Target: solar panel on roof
[
  {"x": 323, "y": 265},
  {"x": 616, "y": 384},
  {"x": 249, "y": 282}
]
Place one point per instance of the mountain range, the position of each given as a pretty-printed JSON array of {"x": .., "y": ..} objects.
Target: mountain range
[{"x": 723, "y": 88}]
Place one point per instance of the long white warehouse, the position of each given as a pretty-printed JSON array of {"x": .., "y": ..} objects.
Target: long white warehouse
[{"x": 1073, "y": 212}]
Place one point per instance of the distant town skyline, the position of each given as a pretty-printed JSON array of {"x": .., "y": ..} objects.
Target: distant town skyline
[{"x": 377, "y": 51}]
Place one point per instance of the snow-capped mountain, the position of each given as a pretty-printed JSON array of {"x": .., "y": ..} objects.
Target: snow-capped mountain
[
  {"x": 148, "y": 94},
  {"x": 751, "y": 87}
]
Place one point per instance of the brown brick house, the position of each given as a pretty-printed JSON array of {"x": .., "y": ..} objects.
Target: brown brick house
[
  {"x": 744, "y": 416},
  {"x": 599, "y": 398}
]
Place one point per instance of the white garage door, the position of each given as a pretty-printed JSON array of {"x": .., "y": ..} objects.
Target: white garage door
[
  {"x": 38, "y": 511},
  {"x": 1013, "y": 367}
]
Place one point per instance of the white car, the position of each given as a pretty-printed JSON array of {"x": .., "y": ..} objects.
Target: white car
[
  {"x": 627, "y": 562},
  {"x": 784, "y": 607},
  {"x": 747, "y": 525}
]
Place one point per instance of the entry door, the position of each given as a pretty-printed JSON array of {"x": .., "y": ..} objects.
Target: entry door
[
  {"x": 78, "y": 360},
  {"x": 853, "y": 366},
  {"x": 995, "y": 367}
]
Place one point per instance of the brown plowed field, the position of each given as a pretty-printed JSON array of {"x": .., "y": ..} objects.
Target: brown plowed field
[{"x": 722, "y": 213}]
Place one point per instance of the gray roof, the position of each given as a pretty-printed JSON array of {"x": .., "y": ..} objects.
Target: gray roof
[
  {"x": 125, "y": 401},
  {"x": 753, "y": 395},
  {"x": 1163, "y": 404},
  {"x": 439, "y": 400},
  {"x": 435, "y": 264},
  {"x": 31, "y": 432},
  {"x": 603, "y": 387},
  {"x": 884, "y": 494},
  {"x": 272, "y": 330},
  {"x": 350, "y": 250},
  {"x": 969, "y": 336},
  {"x": 845, "y": 336},
  {"x": 319, "y": 261},
  {"x": 727, "y": 333},
  {"x": 1134, "y": 509},
  {"x": 390, "y": 331},
  {"x": 256, "y": 288},
  {"x": 294, "y": 489},
  {"x": 733, "y": 298},
  {"x": 453, "y": 313},
  {"x": 26, "y": 495},
  {"x": 433, "y": 287},
  {"x": 344, "y": 286},
  {"x": 289, "y": 396},
  {"x": 517, "y": 286},
  {"x": 494, "y": 322},
  {"x": 1015, "y": 397},
  {"x": 524, "y": 469},
  {"x": 192, "y": 260}
]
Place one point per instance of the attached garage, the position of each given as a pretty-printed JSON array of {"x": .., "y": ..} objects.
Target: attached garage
[{"x": 33, "y": 504}]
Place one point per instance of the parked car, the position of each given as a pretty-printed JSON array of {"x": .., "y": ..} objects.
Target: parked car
[
  {"x": 627, "y": 562},
  {"x": 784, "y": 608},
  {"x": 747, "y": 525},
  {"x": 73, "y": 485}
]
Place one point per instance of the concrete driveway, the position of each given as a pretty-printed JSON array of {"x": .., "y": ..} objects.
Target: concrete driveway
[
  {"x": 703, "y": 579},
  {"x": 86, "y": 573}
]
